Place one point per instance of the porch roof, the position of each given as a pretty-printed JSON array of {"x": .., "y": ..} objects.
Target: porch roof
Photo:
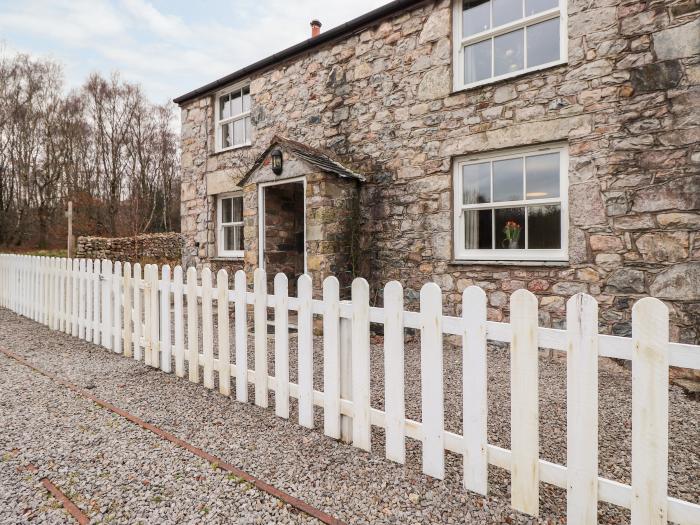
[{"x": 313, "y": 156}]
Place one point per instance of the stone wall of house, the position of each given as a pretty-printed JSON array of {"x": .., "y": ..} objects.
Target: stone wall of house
[
  {"x": 626, "y": 103},
  {"x": 160, "y": 246}
]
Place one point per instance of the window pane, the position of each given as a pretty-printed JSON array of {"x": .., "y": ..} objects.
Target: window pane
[
  {"x": 542, "y": 176},
  {"x": 508, "y": 180},
  {"x": 239, "y": 132},
  {"x": 508, "y": 52},
  {"x": 476, "y": 183},
  {"x": 544, "y": 227},
  {"x": 226, "y": 212},
  {"x": 536, "y": 6},
  {"x": 476, "y": 16},
  {"x": 233, "y": 238},
  {"x": 543, "y": 42},
  {"x": 247, "y": 130},
  {"x": 237, "y": 215},
  {"x": 236, "y": 104},
  {"x": 226, "y": 141},
  {"x": 510, "y": 228},
  {"x": 477, "y": 62},
  {"x": 477, "y": 229},
  {"x": 246, "y": 99},
  {"x": 224, "y": 107},
  {"x": 505, "y": 11}
]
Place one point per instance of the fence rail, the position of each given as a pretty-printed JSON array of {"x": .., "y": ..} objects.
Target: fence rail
[{"x": 141, "y": 313}]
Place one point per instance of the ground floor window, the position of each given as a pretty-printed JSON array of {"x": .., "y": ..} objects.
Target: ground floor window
[
  {"x": 512, "y": 205},
  {"x": 229, "y": 231}
]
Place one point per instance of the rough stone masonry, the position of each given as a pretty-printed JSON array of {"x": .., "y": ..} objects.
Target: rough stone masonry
[{"x": 381, "y": 99}]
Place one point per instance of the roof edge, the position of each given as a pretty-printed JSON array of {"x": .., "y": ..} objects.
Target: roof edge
[{"x": 332, "y": 34}]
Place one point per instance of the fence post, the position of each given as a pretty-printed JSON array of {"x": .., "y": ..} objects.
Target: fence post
[
  {"x": 582, "y": 410},
  {"x": 223, "y": 332},
  {"x": 305, "y": 358},
  {"x": 649, "y": 412},
  {"x": 331, "y": 357},
  {"x": 179, "y": 323},
  {"x": 345, "y": 340},
  {"x": 474, "y": 398},
  {"x": 260, "y": 336},
  {"x": 147, "y": 314},
  {"x": 281, "y": 285},
  {"x": 361, "y": 427},
  {"x": 192, "y": 325},
  {"x": 524, "y": 408},
  {"x": 394, "y": 402}
]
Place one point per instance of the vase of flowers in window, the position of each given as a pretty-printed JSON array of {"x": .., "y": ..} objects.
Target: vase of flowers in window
[{"x": 512, "y": 232}]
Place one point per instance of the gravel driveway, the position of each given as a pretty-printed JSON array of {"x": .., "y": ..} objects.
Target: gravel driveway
[{"x": 107, "y": 460}]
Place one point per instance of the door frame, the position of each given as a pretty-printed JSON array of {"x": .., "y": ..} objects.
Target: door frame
[{"x": 261, "y": 216}]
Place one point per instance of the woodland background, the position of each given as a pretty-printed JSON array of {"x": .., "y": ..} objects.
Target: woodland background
[{"x": 104, "y": 146}]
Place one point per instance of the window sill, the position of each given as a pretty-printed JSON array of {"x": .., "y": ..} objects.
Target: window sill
[
  {"x": 504, "y": 78},
  {"x": 234, "y": 148},
  {"x": 227, "y": 258},
  {"x": 485, "y": 262}
]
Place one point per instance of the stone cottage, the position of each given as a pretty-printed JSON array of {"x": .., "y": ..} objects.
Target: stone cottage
[{"x": 551, "y": 145}]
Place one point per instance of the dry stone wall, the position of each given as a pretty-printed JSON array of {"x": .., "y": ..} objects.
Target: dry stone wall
[
  {"x": 158, "y": 246},
  {"x": 625, "y": 102}
]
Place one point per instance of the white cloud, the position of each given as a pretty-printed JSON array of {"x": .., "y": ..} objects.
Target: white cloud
[{"x": 167, "y": 53}]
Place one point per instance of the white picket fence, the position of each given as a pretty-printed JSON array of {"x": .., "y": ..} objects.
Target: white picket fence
[{"x": 99, "y": 300}]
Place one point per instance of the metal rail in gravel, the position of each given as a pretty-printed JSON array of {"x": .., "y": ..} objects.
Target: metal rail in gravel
[
  {"x": 61, "y": 496},
  {"x": 214, "y": 460}
]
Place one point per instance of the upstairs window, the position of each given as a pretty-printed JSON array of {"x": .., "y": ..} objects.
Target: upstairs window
[
  {"x": 233, "y": 119},
  {"x": 229, "y": 234},
  {"x": 497, "y": 39},
  {"x": 512, "y": 205}
]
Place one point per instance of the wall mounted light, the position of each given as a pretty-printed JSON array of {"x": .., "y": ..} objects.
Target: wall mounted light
[{"x": 276, "y": 156}]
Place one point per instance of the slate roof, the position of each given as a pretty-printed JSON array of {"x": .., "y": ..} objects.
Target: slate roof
[{"x": 313, "y": 156}]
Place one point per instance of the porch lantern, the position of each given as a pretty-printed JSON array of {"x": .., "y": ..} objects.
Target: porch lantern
[{"x": 276, "y": 156}]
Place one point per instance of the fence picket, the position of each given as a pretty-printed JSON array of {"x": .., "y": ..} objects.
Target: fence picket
[
  {"x": 241, "y": 320},
  {"x": 207, "y": 330},
  {"x": 432, "y": 398},
  {"x": 82, "y": 271},
  {"x": 524, "y": 407},
  {"x": 361, "y": 428},
  {"x": 127, "y": 286},
  {"x": 89, "y": 265},
  {"x": 223, "y": 333},
  {"x": 305, "y": 347},
  {"x": 179, "y": 322},
  {"x": 147, "y": 315},
  {"x": 138, "y": 315},
  {"x": 165, "y": 336},
  {"x": 117, "y": 281},
  {"x": 281, "y": 290},
  {"x": 106, "y": 283},
  {"x": 75, "y": 297},
  {"x": 96, "y": 301},
  {"x": 192, "y": 326},
  {"x": 474, "y": 381},
  {"x": 260, "y": 336},
  {"x": 649, "y": 412},
  {"x": 331, "y": 357},
  {"x": 155, "y": 318},
  {"x": 394, "y": 402},
  {"x": 582, "y": 410}
]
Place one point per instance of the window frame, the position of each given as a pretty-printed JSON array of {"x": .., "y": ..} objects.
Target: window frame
[
  {"x": 219, "y": 122},
  {"x": 460, "y": 43},
  {"x": 220, "y": 225},
  {"x": 522, "y": 254}
]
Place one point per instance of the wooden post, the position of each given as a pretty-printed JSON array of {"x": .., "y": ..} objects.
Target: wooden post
[
  {"x": 346, "y": 375},
  {"x": 69, "y": 215}
]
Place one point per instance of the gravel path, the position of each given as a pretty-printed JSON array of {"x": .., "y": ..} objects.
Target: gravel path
[{"x": 349, "y": 484}]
